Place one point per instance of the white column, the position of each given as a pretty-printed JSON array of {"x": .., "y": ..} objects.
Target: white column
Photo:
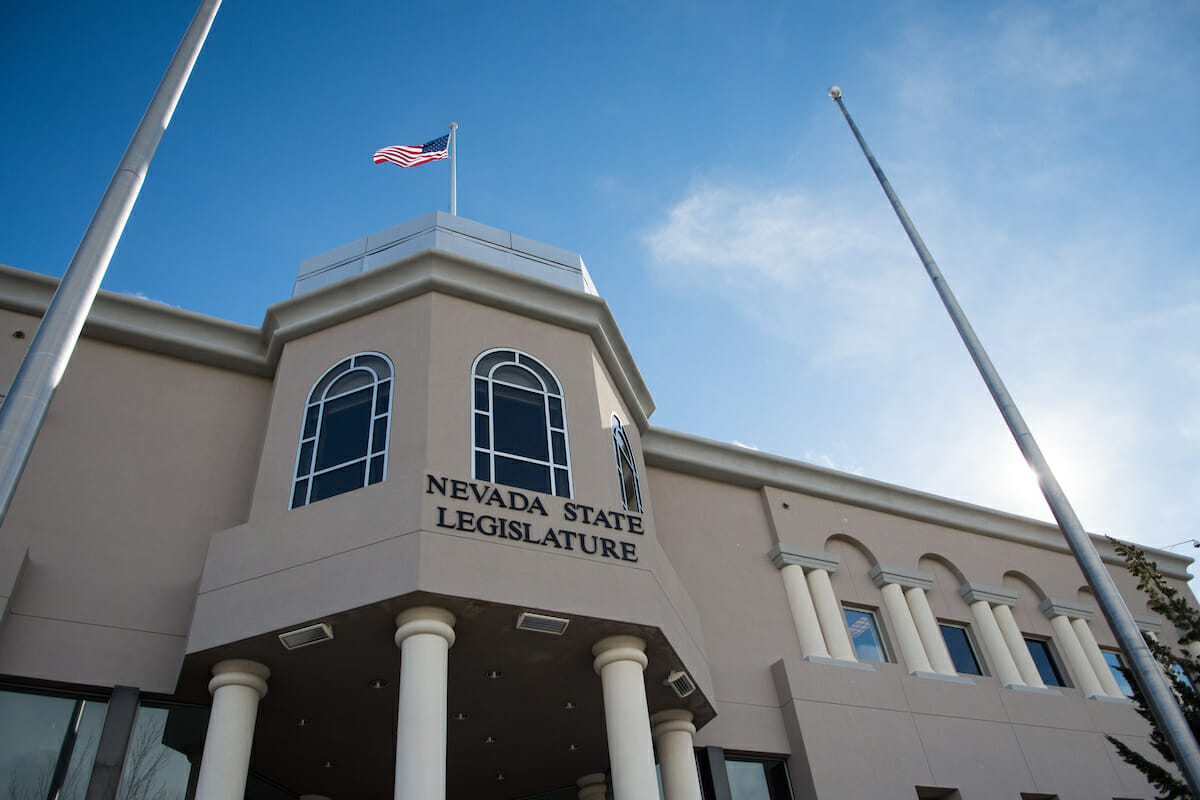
[
  {"x": 593, "y": 786},
  {"x": 424, "y": 636},
  {"x": 619, "y": 663},
  {"x": 931, "y": 634},
  {"x": 829, "y": 612},
  {"x": 1096, "y": 658},
  {"x": 804, "y": 614},
  {"x": 237, "y": 686},
  {"x": 674, "y": 736},
  {"x": 904, "y": 629},
  {"x": 1017, "y": 646},
  {"x": 994, "y": 647},
  {"x": 1072, "y": 651}
]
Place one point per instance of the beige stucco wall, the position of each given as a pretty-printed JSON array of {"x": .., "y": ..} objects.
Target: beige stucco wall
[{"x": 141, "y": 457}]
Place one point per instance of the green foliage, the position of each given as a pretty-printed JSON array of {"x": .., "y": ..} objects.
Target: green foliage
[{"x": 1180, "y": 667}]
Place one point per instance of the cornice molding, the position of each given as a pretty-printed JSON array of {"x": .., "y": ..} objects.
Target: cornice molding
[
  {"x": 1054, "y": 607},
  {"x": 783, "y": 555},
  {"x": 996, "y": 595},
  {"x": 881, "y": 574}
]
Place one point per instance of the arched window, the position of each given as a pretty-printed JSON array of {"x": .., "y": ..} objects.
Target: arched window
[
  {"x": 520, "y": 429},
  {"x": 627, "y": 475},
  {"x": 343, "y": 444}
]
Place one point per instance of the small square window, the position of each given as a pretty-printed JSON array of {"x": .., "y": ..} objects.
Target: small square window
[
  {"x": 865, "y": 634},
  {"x": 961, "y": 651},
  {"x": 1040, "y": 650},
  {"x": 1115, "y": 664}
]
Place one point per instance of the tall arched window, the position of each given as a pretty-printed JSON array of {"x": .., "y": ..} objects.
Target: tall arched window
[
  {"x": 520, "y": 429},
  {"x": 343, "y": 444},
  {"x": 627, "y": 474}
]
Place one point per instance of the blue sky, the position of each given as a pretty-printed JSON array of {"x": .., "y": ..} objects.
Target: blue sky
[{"x": 1048, "y": 153}]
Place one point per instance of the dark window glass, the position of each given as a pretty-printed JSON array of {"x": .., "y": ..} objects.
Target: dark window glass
[
  {"x": 482, "y": 437},
  {"x": 556, "y": 415},
  {"x": 351, "y": 381},
  {"x": 344, "y": 429},
  {"x": 518, "y": 376},
  {"x": 304, "y": 463},
  {"x": 483, "y": 469},
  {"x": 961, "y": 652},
  {"x": 376, "y": 470},
  {"x": 484, "y": 367},
  {"x": 560, "y": 447},
  {"x": 299, "y": 494},
  {"x": 310, "y": 422},
  {"x": 1040, "y": 650},
  {"x": 318, "y": 391},
  {"x": 534, "y": 477},
  {"x": 747, "y": 780},
  {"x": 379, "y": 435},
  {"x": 519, "y": 423},
  {"x": 562, "y": 483},
  {"x": 383, "y": 398},
  {"x": 337, "y": 481},
  {"x": 864, "y": 634},
  {"x": 481, "y": 395},
  {"x": 376, "y": 364},
  {"x": 1115, "y": 665},
  {"x": 543, "y": 373}
]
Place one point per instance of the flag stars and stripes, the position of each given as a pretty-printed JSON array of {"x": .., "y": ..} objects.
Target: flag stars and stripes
[{"x": 412, "y": 155}]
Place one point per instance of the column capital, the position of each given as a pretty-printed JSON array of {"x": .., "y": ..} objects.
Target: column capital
[
  {"x": 240, "y": 672},
  {"x": 592, "y": 785},
  {"x": 907, "y": 578},
  {"x": 1054, "y": 607},
  {"x": 671, "y": 720},
  {"x": 619, "y": 648},
  {"x": 1147, "y": 623},
  {"x": 425, "y": 619},
  {"x": 782, "y": 555},
  {"x": 994, "y": 595}
]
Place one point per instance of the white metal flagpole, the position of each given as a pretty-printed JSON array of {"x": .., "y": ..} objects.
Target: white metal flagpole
[
  {"x": 453, "y": 177},
  {"x": 1155, "y": 688},
  {"x": 25, "y": 408}
]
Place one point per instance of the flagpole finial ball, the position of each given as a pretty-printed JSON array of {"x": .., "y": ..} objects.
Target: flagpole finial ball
[
  {"x": 835, "y": 92},
  {"x": 453, "y": 125}
]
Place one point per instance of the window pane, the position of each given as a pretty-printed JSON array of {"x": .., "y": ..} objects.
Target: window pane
[
  {"x": 1045, "y": 664},
  {"x": 338, "y": 481},
  {"x": 379, "y": 435},
  {"x": 562, "y": 483},
  {"x": 375, "y": 364},
  {"x": 319, "y": 390},
  {"x": 482, "y": 466},
  {"x": 961, "y": 653},
  {"x": 492, "y": 359},
  {"x": 32, "y": 735},
  {"x": 298, "y": 494},
  {"x": 344, "y": 429},
  {"x": 481, "y": 395},
  {"x": 864, "y": 633},
  {"x": 383, "y": 396},
  {"x": 348, "y": 383},
  {"x": 304, "y": 462},
  {"x": 519, "y": 423},
  {"x": 523, "y": 475},
  {"x": 1114, "y": 664},
  {"x": 556, "y": 415},
  {"x": 153, "y": 768},
  {"x": 376, "y": 470},
  {"x": 521, "y": 377},
  {"x": 310, "y": 422},
  {"x": 543, "y": 373},
  {"x": 559, "y": 443},
  {"x": 747, "y": 780},
  {"x": 482, "y": 437}
]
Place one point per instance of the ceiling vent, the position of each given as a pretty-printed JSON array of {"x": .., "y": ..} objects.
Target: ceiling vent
[
  {"x": 681, "y": 682},
  {"x": 303, "y": 637},
  {"x": 542, "y": 623}
]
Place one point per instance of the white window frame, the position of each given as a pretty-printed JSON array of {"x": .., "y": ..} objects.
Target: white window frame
[
  {"x": 551, "y": 387},
  {"x": 321, "y": 386},
  {"x": 621, "y": 443},
  {"x": 877, "y": 618}
]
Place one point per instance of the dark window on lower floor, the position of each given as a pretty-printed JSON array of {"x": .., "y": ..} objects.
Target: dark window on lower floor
[
  {"x": 1044, "y": 659},
  {"x": 742, "y": 776}
]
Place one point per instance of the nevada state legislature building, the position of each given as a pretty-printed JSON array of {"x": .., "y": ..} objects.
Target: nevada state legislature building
[{"x": 415, "y": 537}]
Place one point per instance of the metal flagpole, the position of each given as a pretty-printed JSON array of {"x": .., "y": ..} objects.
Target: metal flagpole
[
  {"x": 1154, "y": 686},
  {"x": 24, "y": 409},
  {"x": 453, "y": 177}
]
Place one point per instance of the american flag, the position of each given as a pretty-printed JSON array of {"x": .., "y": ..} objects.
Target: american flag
[{"x": 410, "y": 155}]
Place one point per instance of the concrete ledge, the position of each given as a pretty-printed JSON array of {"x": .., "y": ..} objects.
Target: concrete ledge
[
  {"x": 840, "y": 662},
  {"x": 1024, "y": 687},
  {"x": 1103, "y": 698},
  {"x": 937, "y": 676}
]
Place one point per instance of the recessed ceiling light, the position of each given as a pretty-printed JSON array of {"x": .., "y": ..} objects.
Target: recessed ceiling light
[
  {"x": 569, "y": 706},
  {"x": 377, "y": 683},
  {"x": 499, "y": 776},
  {"x": 327, "y": 765},
  {"x": 303, "y": 722},
  {"x": 460, "y": 715},
  {"x": 572, "y": 747},
  {"x": 489, "y": 740},
  {"x": 494, "y": 673}
]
